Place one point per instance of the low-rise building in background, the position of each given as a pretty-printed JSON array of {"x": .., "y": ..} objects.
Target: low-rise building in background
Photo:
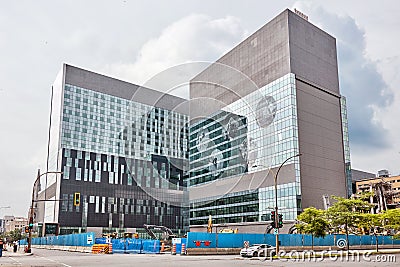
[
  {"x": 11, "y": 223},
  {"x": 386, "y": 191}
]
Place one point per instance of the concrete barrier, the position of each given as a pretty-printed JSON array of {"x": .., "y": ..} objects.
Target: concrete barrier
[
  {"x": 85, "y": 250},
  {"x": 65, "y": 248}
]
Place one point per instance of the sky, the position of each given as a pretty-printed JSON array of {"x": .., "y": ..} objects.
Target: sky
[{"x": 134, "y": 40}]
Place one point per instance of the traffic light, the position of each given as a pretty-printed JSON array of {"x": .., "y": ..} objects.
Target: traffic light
[
  {"x": 77, "y": 199},
  {"x": 30, "y": 226},
  {"x": 26, "y": 229},
  {"x": 280, "y": 221},
  {"x": 273, "y": 219}
]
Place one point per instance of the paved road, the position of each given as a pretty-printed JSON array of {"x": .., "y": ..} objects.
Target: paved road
[{"x": 47, "y": 258}]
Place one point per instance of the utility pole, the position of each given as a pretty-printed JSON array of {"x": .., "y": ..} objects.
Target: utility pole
[
  {"x": 31, "y": 211},
  {"x": 31, "y": 214}
]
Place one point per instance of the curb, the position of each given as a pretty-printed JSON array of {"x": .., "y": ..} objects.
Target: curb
[{"x": 16, "y": 254}]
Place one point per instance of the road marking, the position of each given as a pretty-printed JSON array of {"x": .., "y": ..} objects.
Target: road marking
[
  {"x": 66, "y": 265},
  {"x": 15, "y": 261}
]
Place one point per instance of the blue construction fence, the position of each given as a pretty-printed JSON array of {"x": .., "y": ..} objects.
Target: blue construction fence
[
  {"x": 132, "y": 245},
  {"x": 80, "y": 240},
  {"x": 228, "y": 240},
  {"x": 126, "y": 245}
]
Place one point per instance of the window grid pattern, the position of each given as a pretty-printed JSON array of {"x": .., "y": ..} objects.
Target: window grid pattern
[
  {"x": 288, "y": 204},
  {"x": 231, "y": 208},
  {"x": 107, "y": 124}
]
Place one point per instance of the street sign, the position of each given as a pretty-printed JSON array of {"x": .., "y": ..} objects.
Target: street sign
[
  {"x": 276, "y": 231},
  {"x": 176, "y": 241}
]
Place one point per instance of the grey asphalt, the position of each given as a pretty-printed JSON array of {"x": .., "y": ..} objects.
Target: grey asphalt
[{"x": 45, "y": 258}]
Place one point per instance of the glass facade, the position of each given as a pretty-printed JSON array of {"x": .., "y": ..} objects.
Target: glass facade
[
  {"x": 346, "y": 145},
  {"x": 218, "y": 147},
  {"x": 256, "y": 133},
  {"x": 124, "y": 157},
  {"x": 231, "y": 208},
  {"x": 100, "y": 122}
]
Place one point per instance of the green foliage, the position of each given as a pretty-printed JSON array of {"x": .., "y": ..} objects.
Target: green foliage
[
  {"x": 391, "y": 221},
  {"x": 347, "y": 213},
  {"x": 13, "y": 235},
  {"x": 312, "y": 221},
  {"x": 370, "y": 222},
  {"x": 365, "y": 195},
  {"x": 348, "y": 216}
]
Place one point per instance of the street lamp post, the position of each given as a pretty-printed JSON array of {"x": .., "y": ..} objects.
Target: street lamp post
[
  {"x": 276, "y": 203},
  {"x": 32, "y": 201}
]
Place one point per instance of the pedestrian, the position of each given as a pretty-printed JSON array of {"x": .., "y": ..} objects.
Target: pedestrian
[
  {"x": 15, "y": 246},
  {"x": 1, "y": 247}
]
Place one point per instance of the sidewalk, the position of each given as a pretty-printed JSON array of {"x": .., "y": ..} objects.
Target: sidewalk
[{"x": 19, "y": 253}]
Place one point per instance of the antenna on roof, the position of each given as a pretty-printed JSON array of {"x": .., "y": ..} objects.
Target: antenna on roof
[{"x": 301, "y": 14}]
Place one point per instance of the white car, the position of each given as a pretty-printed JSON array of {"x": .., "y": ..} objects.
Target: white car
[{"x": 258, "y": 250}]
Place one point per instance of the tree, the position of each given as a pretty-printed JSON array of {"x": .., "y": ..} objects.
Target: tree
[
  {"x": 312, "y": 221},
  {"x": 372, "y": 222},
  {"x": 391, "y": 222},
  {"x": 14, "y": 235},
  {"x": 346, "y": 213}
]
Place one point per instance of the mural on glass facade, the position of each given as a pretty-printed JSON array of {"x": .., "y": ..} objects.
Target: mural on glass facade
[{"x": 217, "y": 147}]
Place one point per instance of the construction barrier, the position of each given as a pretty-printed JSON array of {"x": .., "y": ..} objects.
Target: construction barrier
[
  {"x": 183, "y": 249},
  {"x": 180, "y": 243},
  {"x": 77, "y": 240},
  {"x": 132, "y": 245},
  {"x": 101, "y": 249},
  {"x": 225, "y": 240},
  {"x": 173, "y": 251},
  {"x": 150, "y": 246}
]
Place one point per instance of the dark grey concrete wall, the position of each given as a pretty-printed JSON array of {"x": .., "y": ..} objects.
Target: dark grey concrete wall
[
  {"x": 312, "y": 53},
  {"x": 258, "y": 60},
  {"x": 357, "y": 175},
  {"x": 287, "y": 43},
  {"x": 322, "y": 167}
]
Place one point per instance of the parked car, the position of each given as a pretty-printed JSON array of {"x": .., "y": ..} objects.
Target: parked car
[{"x": 258, "y": 250}]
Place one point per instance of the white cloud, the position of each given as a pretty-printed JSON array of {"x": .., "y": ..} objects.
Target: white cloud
[{"x": 193, "y": 38}]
